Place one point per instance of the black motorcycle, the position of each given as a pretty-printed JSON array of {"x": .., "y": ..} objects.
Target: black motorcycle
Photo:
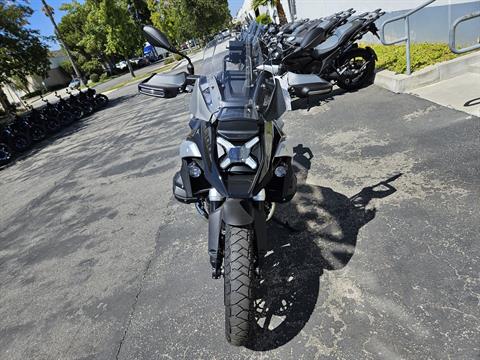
[
  {"x": 339, "y": 58},
  {"x": 28, "y": 125},
  {"x": 236, "y": 165},
  {"x": 16, "y": 137},
  {"x": 74, "y": 113},
  {"x": 99, "y": 100},
  {"x": 81, "y": 101},
  {"x": 6, "y": 152},
  {"x": 53, "y": 112}
]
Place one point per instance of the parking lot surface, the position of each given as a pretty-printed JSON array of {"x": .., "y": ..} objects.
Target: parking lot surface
[{"x": 377, "y": 256}]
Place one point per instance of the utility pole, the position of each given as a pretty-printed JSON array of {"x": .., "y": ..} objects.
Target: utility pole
[{"x": 48, "y": 12}]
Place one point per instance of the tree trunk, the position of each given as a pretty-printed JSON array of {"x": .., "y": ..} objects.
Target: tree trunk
[
  {"x": 4, "y": 101},
  {"x": 281, "y": 13},
  {"x": 130, "y": 68}
]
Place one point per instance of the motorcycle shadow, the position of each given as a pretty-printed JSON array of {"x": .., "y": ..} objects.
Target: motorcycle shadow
[
  {"x": 316, "y": 100},
  {"x": 316, "y": 231}
]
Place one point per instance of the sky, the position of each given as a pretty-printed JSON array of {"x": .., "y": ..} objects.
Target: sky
[{"x": 40, "y": 21}]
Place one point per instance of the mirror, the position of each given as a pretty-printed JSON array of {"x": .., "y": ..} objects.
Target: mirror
[{"x": 156, "y": 38}]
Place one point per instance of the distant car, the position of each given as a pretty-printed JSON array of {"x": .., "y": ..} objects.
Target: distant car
[
  {"x": 122, "y": 65},
  {"x": 140, "y": 61},
  {"x": 74, "y": 84},
  {"x": 225, "y": 33}
]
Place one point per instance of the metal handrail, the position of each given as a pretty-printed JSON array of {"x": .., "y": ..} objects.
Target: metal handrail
[
  {"x": 406, "y": 38},
  {"x": 452, "y": 42}
]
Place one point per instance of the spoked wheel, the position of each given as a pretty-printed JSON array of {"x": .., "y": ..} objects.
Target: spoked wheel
[
  {"x": 88, "y": 109},
  {"x": 239, "y": 274},
  {"x": 6, "y": 154},
  {"x": 358, "y": 66},
  {"x": 21, "y": 143},
  {"x": 77, "y": 113},
  {"x": 101, "y": 101},
  {"x": 53, "y": 125},
  {"x": 38, "y": 133}
]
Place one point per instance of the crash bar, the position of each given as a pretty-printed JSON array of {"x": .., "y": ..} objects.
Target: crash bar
[
  {"x": 453, "y": 28},
  {"x": 406, "y": 38}
]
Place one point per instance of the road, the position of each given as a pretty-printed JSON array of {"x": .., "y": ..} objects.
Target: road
[
  {"x": 103, "y": 87},
  {"x": 98, "y": 261}
]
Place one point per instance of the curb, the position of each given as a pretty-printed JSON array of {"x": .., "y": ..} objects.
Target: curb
[{"x": 401, "y": 83}]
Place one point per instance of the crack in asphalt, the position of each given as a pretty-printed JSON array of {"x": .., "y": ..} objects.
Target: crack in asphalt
[
  {"x": 142, "y": 280},
  {"x": 134, "y": 305}
]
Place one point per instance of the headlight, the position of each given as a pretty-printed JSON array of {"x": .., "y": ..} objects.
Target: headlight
[
  {"x": 281, "y": 171},
  {"x": 194, "y": 171}
]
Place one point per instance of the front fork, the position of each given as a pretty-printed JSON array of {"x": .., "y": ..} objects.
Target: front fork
[{"x": 248, "y": 213}]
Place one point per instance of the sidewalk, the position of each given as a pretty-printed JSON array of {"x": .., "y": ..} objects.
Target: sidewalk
[{"x": 461, "y": 93}]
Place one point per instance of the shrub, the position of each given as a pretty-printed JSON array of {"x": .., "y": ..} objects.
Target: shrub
[
  {"x": 169, "y": 60},
  {"x": 264, "y": 19},
  {"x": 103, "y": 77},
  {"x": 94, "y": 77},
  {"x": 422, "y": 55},
  {"x": 177, "y": 57}
]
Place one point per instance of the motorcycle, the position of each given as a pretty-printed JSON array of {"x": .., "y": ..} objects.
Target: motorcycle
[
  {"x": 328, "y": 54},
  {"x": 16, "y": 138},
  {"x": 30, "y": 127},
  {"x": 99, "y": 100},
  {"x": 82, "y": 102},
  {"x": 74, "y": 112},
  {"x": 6, "y": 152},
  {"x": 236, "y": 165},
  {"x": 51, "y": 111}
]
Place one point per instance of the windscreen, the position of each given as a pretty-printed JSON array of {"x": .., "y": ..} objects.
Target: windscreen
[{"x": 231, "y": 75}]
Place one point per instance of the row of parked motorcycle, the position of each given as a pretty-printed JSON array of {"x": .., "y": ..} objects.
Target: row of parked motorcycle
[
  {"x": 325, "y": 48},
  {"x": 35, "y": 125},
  {"x": 311, "y": 55}
]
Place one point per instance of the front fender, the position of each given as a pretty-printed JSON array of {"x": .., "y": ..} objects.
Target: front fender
[
  {"x": 237, "y": 212},
  {"x": 372, "y": 52}
]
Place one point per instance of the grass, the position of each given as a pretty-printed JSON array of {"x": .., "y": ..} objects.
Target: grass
[
  {"x": 422, "y": 55},
  {"x": 161, "y": 69}
]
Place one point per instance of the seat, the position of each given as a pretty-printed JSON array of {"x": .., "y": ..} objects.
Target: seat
[
  {"x": 343, "y": 33},
  {"x": 305, "y": 85}
]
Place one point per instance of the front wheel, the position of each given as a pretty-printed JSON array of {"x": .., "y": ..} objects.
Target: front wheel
[
  {"x": 238, "y": 281},
  {"x": 6, "y": 154},
  {"x": 357, "y": 69},
  {"x": 101, "y": 100},
  {"x": 21, "y": 143}
]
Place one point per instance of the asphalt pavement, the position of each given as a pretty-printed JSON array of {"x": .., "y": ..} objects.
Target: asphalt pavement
[{"x": 377, "y": 256}]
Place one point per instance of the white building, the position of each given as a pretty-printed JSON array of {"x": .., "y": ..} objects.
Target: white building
[{"x": 430, "y": 24}]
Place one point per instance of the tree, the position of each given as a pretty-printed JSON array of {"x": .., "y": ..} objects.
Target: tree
[
  {"x": 166, "y": 15},
  {"x": 182, "y": 20},
  {"x": 122, "y": 33},
  {"x": 84, "y": 33},
  {"x": 141, "y": 10},
  {"x": 276, "y": 3},
  {"x": 264, "y": 19},
  {"x": 22, "y": 52}
]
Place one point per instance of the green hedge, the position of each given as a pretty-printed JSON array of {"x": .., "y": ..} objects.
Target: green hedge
[
  {"x": 422, "y": 55},
  {"x": 94, "y": 77}
]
